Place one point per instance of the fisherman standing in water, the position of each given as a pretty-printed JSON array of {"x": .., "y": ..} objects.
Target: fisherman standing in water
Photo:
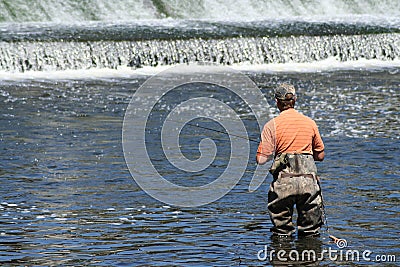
[{"x": 295, "y": 142}]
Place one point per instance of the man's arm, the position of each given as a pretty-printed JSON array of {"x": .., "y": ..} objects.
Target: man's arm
[
  {"x": 318, "y": 145},
  {"x": 266, "y": 147},
  {"x": 261, "y": 157}
]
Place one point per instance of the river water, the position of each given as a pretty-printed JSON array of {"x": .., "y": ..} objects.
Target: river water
[
  {"x": 68, "y": 197},
  {"x": 68, "y": 71}
]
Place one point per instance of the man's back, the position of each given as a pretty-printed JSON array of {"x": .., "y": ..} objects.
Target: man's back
[
  {"x": 296, "y": 133},
  {"x": 291, "y": 132}
]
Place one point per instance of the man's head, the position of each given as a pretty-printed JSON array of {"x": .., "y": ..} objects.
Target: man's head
[{"x": 285, "y": 95}]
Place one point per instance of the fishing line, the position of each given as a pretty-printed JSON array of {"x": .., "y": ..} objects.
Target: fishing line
[
  {"x": 218, "y": 131},
  {"x": 230, "y": 134},
  {"x": 338, "y": 241},
  {"x": 325, "y": 219}
]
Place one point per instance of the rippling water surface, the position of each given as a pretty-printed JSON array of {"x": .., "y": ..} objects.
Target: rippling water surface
[{"x": 67, "y": 196}]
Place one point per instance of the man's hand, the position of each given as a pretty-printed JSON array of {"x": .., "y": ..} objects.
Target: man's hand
[
  {"x": 261, "y": 160},
  {"x": 319, "y": 156},
  {"x": 261, "y": 156}
]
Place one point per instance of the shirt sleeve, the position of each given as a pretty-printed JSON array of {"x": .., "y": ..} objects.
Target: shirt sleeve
[
  {"x": 317, "y": 143},
  {"x": 267, "y": 144}
]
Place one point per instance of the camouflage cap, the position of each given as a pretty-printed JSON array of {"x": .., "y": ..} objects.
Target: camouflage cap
[{"x": 283, "y": 90}]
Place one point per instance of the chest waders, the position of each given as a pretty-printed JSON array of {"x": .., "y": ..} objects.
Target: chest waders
[
  {"x": 295, "y": 184},
  {"x": 288, "y": 165}
]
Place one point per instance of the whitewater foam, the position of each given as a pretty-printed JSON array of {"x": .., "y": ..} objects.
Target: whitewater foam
[{"x": 327, "y": 65}]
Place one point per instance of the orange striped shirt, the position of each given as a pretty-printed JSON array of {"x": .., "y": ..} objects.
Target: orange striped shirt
[{"x": 290, "y": 132}]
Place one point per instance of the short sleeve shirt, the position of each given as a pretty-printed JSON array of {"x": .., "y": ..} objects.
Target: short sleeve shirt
[{"x": 290, "y": 132}]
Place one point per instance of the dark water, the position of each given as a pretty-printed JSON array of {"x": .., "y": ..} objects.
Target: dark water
[{"x": 67, "y": 197}]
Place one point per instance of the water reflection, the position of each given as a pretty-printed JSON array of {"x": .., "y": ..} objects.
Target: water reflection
[{"x": 305, "y": 251}]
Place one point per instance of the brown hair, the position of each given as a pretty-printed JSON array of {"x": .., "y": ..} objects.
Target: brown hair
[{"x": 288, "y": 102}]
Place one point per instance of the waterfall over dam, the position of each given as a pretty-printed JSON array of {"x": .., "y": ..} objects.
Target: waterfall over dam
[{"x": 74, "y": 35}]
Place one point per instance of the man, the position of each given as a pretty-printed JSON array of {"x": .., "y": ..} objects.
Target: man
[{"x": 295, "y": 143}]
